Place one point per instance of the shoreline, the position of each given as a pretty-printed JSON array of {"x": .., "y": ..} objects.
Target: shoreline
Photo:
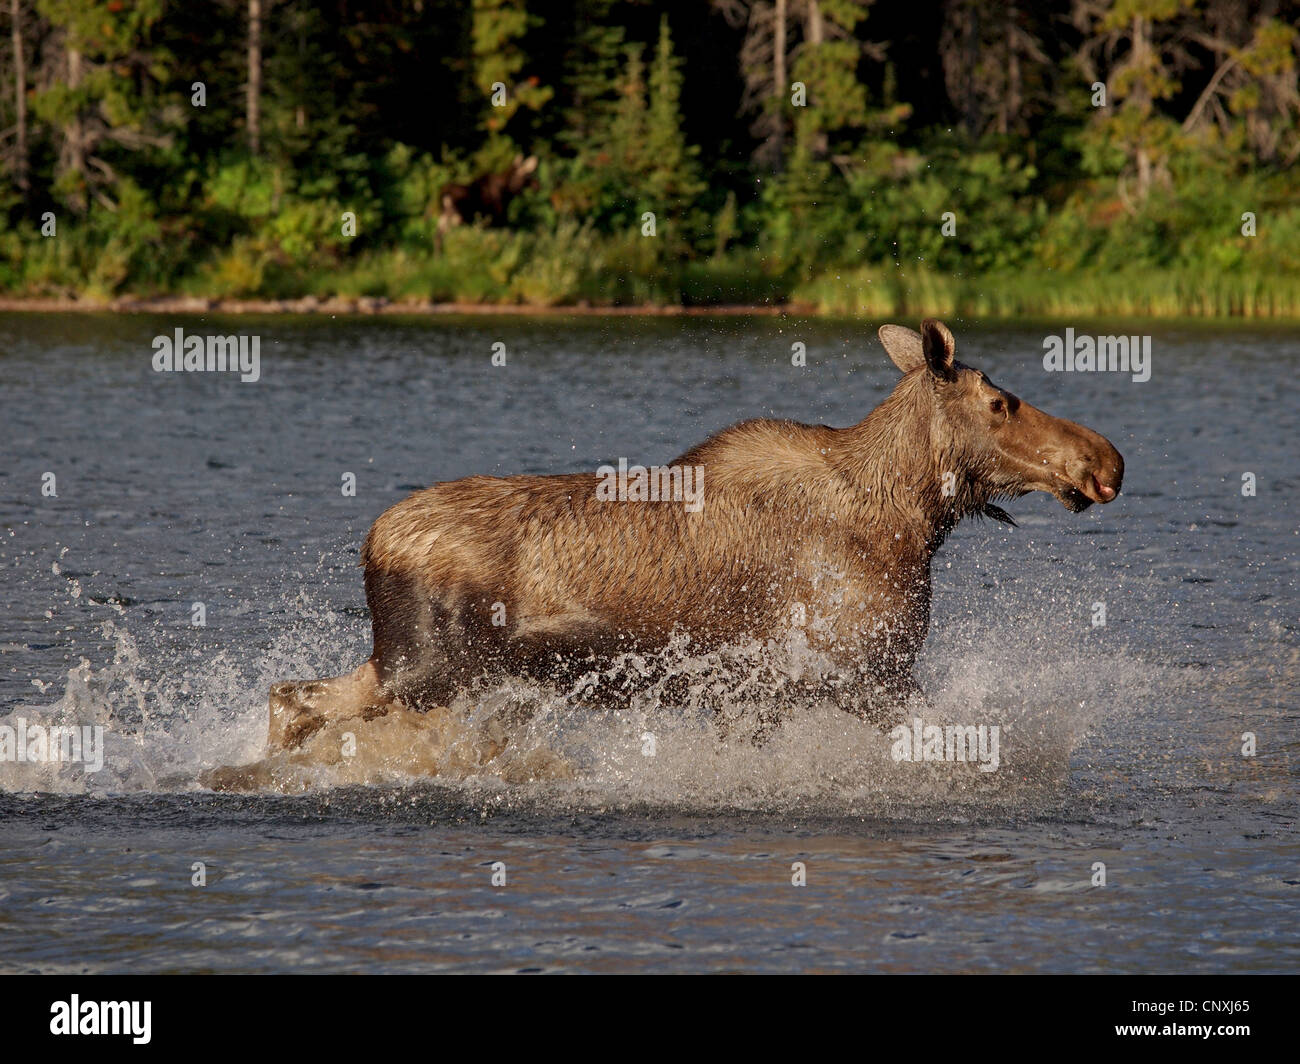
[{"x": 373, "y": 305}]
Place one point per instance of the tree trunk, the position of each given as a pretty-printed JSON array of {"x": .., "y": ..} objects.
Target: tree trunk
[
  {"x": 972, "y": 102},
  {"x": 1142, "y": 98},
  {"x": 300, "y": 112},
  {"x": 814, "y": 34},
  {"x": 20, "y": 99},
  {"x": 1011, "y": 100},
  {"x": 815, "y": 31},
  {"x": 254, "y": 76},
  {"x": 779, "y": 77},
  {"x": 74, "y": 143}
]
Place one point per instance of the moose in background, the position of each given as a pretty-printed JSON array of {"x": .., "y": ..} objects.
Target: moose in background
[{"x": 486, "y": 197}]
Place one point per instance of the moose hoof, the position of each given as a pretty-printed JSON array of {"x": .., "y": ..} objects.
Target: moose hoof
[{"x": 293, "y": 714}]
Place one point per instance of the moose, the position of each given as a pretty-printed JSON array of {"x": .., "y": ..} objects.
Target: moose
[
  {"x": 546, "y": 576},
  {"x": 487, "y": 196}
]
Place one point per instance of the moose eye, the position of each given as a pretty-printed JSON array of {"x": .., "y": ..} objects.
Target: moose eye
[{"x": 997, "y": 406}]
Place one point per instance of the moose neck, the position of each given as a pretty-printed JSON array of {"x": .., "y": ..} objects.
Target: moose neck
[{"x": 898, "y": 456}]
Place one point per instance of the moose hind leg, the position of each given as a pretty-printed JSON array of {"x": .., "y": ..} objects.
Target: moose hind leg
[
  {"x": 301, "y": 708},
  {"x": 421, "y": 650}
]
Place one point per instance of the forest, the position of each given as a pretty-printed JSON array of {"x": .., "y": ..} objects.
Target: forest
[{"x": 1128, "y": 157}]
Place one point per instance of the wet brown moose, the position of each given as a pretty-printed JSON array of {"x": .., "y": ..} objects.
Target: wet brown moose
[{"x": 837, "y": 524}]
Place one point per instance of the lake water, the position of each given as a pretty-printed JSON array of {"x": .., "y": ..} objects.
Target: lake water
[{"x": 1123, "y": 742}]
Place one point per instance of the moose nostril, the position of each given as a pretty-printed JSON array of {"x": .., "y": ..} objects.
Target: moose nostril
[{"x": 1105, "y": 492}]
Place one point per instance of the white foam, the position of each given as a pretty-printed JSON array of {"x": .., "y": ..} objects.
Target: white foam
[{"x": 167, "y": 721}]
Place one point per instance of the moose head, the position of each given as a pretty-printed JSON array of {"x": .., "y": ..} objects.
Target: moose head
[{"x": 1004, "y": 447}]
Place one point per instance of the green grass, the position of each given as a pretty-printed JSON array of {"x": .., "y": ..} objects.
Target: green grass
[
  {"x": 573, "y": 265},
  {"x": 879, "y": 291}
]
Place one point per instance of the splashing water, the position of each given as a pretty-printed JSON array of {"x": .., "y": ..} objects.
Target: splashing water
[{"x": 177, "y": 726}]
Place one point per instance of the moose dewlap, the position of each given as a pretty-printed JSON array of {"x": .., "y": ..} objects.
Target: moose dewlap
[{"x": 548, "y": 577}]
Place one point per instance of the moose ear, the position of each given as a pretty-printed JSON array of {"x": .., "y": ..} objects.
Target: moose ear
[
  {"x": 903, "y": 346},
  {"x": 939, "y": 348},
  {"x": 527, "y": 166}
]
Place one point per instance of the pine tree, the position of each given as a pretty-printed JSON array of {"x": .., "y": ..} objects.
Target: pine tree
[
  {"x": 814, "y": 43},
  {"x": 994, "y": 64},
  {"x": 593, "y": 63},
  {"x": 1252, "y": 100},
  {"x": 628, "y": 133},
  {"x": 114, "y": 94},
  {"x": 673, "y": 179},
  {"x": 497, "y": 30},
  {"x": 1137, "y": 45},
  {"x": 17, "y": 157}
]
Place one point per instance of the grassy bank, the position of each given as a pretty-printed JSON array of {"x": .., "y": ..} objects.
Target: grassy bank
[
  {"x": 573, "y": 266},
  {"x": 1141, "y": 294}
]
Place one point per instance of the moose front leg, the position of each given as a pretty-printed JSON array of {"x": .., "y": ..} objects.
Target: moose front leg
[{"x": 877, "y": 700}]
